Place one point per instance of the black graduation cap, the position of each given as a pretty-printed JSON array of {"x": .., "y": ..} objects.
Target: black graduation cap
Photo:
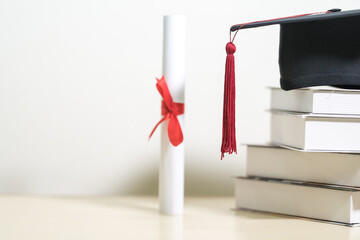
[{"x": 316, "y": 49}]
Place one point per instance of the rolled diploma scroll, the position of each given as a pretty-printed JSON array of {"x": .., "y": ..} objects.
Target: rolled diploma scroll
[{"x": 171, "y": 172}]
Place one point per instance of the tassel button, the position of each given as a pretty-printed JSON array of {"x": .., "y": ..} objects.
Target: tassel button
[{"x": 230, "y": 48}]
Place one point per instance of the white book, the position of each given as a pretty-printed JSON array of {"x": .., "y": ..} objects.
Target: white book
[
  {"x": 322, "y": 167},
  {"x": 323, "y": 202},
  {"x": 317, "y": 100},
  {"x": 316, "y": 132}
]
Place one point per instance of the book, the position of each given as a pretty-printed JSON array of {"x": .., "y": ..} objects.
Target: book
[
  {"x": 317, "y": 100},
  {"x": 316, "y": 132},
  {"x": 314, "y": 201},
  {"x": 323, "y": 167}
]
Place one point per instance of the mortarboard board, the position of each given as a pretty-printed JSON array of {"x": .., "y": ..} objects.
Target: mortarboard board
[{"x": 316, "y": 49}]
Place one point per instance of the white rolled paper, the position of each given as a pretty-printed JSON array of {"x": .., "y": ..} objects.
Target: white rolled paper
[{"x": 171, "y": 172}]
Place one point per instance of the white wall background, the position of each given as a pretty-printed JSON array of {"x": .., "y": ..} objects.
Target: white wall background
[{"x": 78, "y": 97}]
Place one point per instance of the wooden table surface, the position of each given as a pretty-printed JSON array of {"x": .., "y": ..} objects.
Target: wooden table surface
[{"x": 37, "y": 217}]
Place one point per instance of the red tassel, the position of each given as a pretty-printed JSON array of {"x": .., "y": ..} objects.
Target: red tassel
[{"x": 228, "y": 134}]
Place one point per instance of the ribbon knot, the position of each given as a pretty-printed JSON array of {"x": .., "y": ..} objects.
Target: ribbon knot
[{"x": 169, "y": 110}]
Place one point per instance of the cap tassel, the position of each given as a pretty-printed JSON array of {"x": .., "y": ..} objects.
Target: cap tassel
[{"x": 228, "y": 133}]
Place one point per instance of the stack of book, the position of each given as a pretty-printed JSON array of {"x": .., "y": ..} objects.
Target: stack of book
[{"x": 312, "y": 166}]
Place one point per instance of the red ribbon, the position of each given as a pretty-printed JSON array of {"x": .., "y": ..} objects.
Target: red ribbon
[{"x": 169, "y": 110}]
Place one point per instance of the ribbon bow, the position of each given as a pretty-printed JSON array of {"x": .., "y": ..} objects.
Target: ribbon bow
[{"x": 169, "y": 110}]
